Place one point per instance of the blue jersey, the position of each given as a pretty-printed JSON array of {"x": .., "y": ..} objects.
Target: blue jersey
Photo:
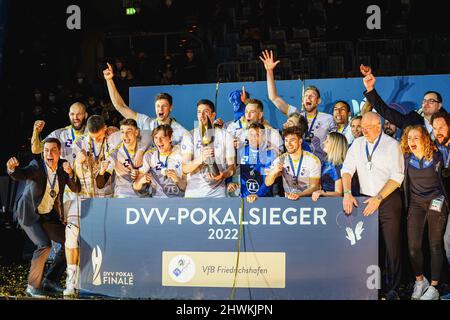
[
  {"x": 253, "y": 166},
  {"x": 330, "y": 174}
]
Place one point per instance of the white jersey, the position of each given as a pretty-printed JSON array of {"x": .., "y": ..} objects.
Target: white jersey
[
  {"x": 97, "y": 152},
  {"x": 198, "y": 185},
  {"x": 144, "y": 122},
  {"x": 122, "y": 164},
  {"x": 295, "y": 180},
  {"x": 157, "y": 164},
  {"x": 68, "y": 137}
]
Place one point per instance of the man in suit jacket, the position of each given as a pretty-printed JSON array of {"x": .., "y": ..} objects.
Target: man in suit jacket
[{"x": 40, "y": 211}]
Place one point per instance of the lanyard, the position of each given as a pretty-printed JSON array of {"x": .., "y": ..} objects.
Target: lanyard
[
  {"x": 310, "y": 133},
  {"x": 164, "y": 165},
  {"x": 93, "y": 148},
  {"x": 446, "y": 157},
  {"x": 52, "y": 184},
  {"x": 369, "y": 156},
  {"x": 128, "y": 156},
  {"x": 299, "y": 166}
]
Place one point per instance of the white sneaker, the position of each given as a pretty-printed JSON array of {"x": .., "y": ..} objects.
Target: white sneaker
[
  {"x": 70, "y": 292},
  {"x": 419, "y": 288},
  {"x": 430, "y": 294}
]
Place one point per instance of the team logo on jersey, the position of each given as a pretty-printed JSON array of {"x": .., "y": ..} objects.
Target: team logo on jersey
[
  {"x": 171, "y": 189},
  {"x": 69, "y": 143},
  {"x": 252, "y": 186},
  {"x": 126, "y": 163}
]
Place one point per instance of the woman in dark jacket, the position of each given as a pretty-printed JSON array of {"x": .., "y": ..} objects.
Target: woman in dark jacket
[{"x": 427, "y": 203}]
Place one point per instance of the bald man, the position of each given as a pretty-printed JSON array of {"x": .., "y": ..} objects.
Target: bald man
[
  {"x": 378, "y": 161},
  {"x": 67, "y": 135}
]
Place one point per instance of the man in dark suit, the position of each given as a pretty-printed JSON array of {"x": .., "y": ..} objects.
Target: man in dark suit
[{"x": 40, "y": 212}]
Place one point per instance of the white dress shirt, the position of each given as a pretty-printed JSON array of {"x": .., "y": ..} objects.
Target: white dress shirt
[
  {"x": 47, "y": 202},
  {"x": 387, "y": 164}
]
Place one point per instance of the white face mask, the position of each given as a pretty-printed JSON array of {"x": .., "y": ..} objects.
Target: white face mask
[
  {"x": 51, "y": 98},
  {"x": 80, "y": 80}
]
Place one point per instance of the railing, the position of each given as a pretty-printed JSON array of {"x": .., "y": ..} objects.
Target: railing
[{"x": 151, "y": 36}]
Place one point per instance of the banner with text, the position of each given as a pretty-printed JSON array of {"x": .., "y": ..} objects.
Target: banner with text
[{"x": 201, "y": 249}]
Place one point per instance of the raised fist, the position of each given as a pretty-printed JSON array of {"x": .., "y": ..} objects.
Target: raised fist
[
  {"x": 67, "y": 168},
  {"x": 39, "y": 126},
  {"x": 365, "y": 70},
  {"x": 12, "y": 164}
]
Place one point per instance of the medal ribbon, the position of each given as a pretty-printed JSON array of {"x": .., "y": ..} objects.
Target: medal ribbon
[
  {"x": 299, "y": 165},
  {"x": 128, "y": 156},
  {"x": 311, "y": 127},
  {"x": 164, "y": 165},
  {"x": 52, "y": 184},
  {"x": 369, "y": 156}
]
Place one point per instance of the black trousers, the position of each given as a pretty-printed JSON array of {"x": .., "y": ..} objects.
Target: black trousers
[
  {"x": 390, "y": 213},
  {"x": 418, "y": 215}
]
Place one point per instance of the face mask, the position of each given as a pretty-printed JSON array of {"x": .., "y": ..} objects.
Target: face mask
[
  {"x": 51, "y": 98},
  {"x": 123, "y": 74},
  {"x": 80, "y": 80},
  {"x": 37, "y": 96}
]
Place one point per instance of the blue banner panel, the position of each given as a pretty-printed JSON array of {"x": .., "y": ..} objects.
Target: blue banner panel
[
  {"x": 405, "y": 93},
  {"x": 201, "y": 249}
]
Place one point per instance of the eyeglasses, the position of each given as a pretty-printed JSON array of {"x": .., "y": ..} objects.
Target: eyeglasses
[{"x": 430, "y": 101}]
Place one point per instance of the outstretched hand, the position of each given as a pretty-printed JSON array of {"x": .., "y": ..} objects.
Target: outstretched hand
[{"x": 267, "y": 59}]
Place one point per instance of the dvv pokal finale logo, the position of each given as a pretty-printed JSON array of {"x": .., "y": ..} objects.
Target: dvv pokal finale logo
[
  {"x": 96, "y": 265},
  {"x": 108, "y": 277}
]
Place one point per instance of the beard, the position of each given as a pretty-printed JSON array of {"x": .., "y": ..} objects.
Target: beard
[
  {"x": 444, "y": 139},
  {"x": 80, "y": 126},
  {"x": 389, "y": 132}
]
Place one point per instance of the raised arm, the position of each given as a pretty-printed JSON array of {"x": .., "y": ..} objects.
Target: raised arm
[
  {"x": 35, "y": 139},
  {"x": 269, "y": 65},
  {"x": 390, "y": 114},
  {"x": 20, "y": 173},
  {"x": 116, "y": 99}
]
